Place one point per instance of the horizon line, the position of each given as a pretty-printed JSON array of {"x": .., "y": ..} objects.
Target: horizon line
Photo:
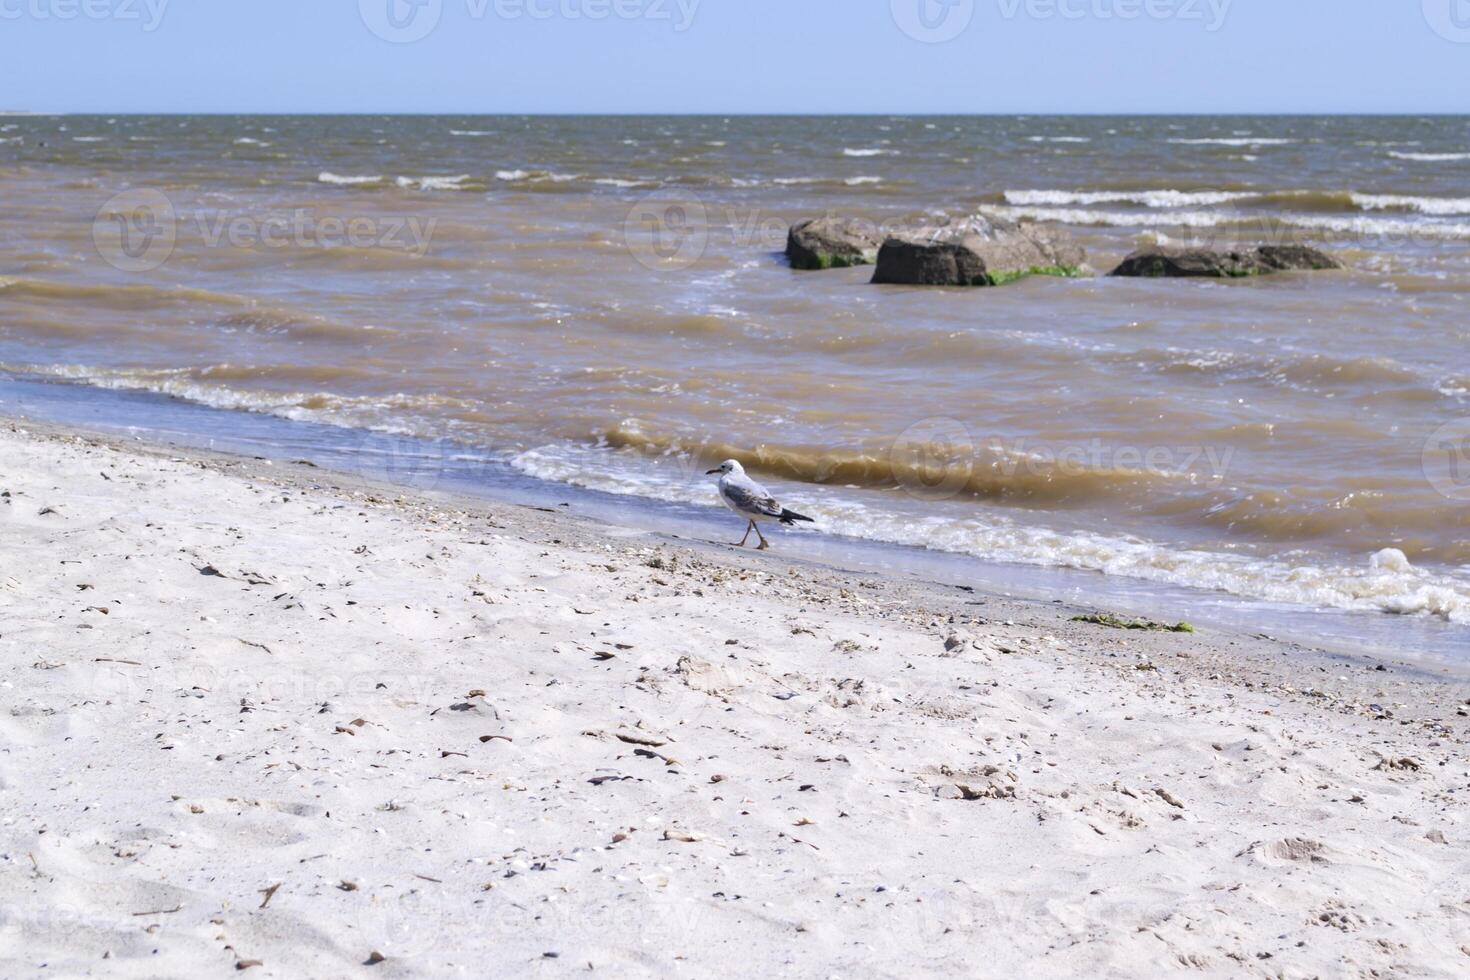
[{"x": 1396, "y": 114}]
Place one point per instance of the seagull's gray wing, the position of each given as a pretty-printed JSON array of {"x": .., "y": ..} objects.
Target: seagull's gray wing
[{"x": 751, "y": 498}]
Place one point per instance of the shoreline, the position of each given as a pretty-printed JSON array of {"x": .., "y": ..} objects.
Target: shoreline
[
  {"x": 267, "y": 712},
  {"x": 455, "y": 468}
]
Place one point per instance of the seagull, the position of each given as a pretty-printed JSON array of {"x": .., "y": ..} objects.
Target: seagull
[{"x": 751, "y": 501}]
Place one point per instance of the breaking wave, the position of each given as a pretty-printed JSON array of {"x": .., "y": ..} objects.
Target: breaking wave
[{"x": 1386, "y": 583}]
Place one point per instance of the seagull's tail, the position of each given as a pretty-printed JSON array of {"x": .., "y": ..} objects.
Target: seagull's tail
[{"x": 790, "y": 517}]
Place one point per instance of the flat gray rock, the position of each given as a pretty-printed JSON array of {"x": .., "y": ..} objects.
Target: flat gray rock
[
  {"x": 832, "y": 242},
  {"x": 1177, "y": 263}
]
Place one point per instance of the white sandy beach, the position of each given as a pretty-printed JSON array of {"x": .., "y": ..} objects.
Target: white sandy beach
[{"x": 261, "y": 717}]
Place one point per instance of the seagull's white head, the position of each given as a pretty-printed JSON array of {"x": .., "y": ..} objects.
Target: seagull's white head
[{"x": 728, "y": 467}]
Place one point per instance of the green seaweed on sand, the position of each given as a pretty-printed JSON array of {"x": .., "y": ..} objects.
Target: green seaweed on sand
[{"x": 1118, "y": 623}]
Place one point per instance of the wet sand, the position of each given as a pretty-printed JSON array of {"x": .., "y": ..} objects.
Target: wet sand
[{"x": 268, "y": 717}]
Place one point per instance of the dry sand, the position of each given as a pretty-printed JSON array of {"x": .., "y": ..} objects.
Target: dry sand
[{"x": 264, "y": 717}]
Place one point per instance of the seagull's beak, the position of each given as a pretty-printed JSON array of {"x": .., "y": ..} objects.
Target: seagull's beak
[{"x": 712, "y": 472}]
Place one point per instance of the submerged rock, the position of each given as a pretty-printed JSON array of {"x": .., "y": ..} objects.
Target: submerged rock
[
  {"x": 832, "y": 242},
  {"x": 978, "y": 253},
  {"x": 1172, "y": 263}
]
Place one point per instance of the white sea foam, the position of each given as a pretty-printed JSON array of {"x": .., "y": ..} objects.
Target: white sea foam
[
  {"x": 535, "y": 176},
  {"x": 860, "y": 181},
  {"x": 1439, "y": 206},
  {"x": 326, "y": 177},
  {"x": 247, "y": 141},
  {"x": 1148, "y": 198},
  {"x": 1424, "y": 205},
  {"x": 1429, "y": 157},
  {"x": 433, "y": 183},
  {"x": 1059, "y": 139},
  {"x": 1233, "y": 141},
  {"x": 624, "y": 183},
  {"x": 1119, "y": 219},
  {"x": 869, "y": 152},
  {"x": 402, "y": 413},
  {"x": 1358, "y": 227},
  {"x": 1384, "y": 583},
  {"x": 470, "y": 132}
]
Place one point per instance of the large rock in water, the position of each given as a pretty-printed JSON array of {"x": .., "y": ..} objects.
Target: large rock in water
[
  {"x": 1159, "y": 262},
  {"x": 978, "y": 254},
  {"x": 832, "y": 243}
]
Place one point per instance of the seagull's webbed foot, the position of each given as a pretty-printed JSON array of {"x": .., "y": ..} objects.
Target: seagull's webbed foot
[{"x": 741, "y": 542}]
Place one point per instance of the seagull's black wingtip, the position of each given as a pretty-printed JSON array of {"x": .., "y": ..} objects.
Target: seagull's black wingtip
[{"x": 790, "y": 517}]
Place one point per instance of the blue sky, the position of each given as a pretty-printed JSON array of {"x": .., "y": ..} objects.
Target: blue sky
[{"x": 735, "y": 56}]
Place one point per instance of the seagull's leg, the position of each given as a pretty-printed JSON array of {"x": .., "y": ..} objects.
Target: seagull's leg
[
  {"x": 741, "y": 542},
  {"x": 764, "y": 545}
]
